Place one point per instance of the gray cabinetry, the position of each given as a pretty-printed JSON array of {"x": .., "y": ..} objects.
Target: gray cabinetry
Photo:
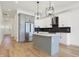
[{"x": 49, "y": 44}]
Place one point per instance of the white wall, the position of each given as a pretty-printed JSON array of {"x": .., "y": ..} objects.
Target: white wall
[
  {"x": 1, "y": 35},
  {"x": 71, "y": 19},
  {"x": 45, "y": 22}
]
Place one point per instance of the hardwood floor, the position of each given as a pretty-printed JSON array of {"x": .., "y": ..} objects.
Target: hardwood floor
[
  {"x": 69, "y": 51},
  {"x": 27, "y": 50}
]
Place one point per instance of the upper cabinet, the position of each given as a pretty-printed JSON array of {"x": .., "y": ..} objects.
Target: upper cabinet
[{"x": 27, "y": 18}]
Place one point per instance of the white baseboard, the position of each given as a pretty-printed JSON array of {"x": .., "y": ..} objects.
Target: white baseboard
[{"x": 69, "y": 45}]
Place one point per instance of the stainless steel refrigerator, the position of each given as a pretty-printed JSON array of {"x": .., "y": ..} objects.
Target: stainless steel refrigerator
[{"x": 29, "y": 29}]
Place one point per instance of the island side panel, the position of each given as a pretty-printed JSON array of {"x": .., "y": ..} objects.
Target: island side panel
[
  {"x": 55, "y": 45},
  {"x": 43, "y": 43}
]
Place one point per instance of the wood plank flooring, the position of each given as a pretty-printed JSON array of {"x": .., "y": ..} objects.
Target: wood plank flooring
[{"x": 27, "y": 50}]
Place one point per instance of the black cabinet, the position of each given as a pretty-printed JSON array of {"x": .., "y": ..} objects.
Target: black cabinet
[
  {"x": 55, "y": 22},
  {"x": 51, "y": 30}
]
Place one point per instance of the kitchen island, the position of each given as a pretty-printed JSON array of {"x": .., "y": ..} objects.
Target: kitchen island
[{"x": 48, "y": 42}]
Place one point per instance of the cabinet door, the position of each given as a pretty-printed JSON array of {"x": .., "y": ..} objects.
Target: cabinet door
[{"x": 63, "y": 38}]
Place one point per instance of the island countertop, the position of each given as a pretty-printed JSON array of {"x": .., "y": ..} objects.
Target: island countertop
[{"x": 46, "y": 34}]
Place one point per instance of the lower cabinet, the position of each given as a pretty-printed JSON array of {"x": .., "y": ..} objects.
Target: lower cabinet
[{"x": 49, "y": 44}]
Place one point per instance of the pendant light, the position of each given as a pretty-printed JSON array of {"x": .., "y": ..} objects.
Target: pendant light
[
  {"x": 37, "y": 12},
  {"x": 50, "y": 9},
  {"x": 50, "y": 12}
]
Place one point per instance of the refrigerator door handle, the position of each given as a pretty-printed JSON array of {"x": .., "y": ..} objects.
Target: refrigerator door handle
[{"x": 30, "y": 27}]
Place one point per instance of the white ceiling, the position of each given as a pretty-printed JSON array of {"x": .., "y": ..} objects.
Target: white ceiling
[{"x": 30, "y": 6}]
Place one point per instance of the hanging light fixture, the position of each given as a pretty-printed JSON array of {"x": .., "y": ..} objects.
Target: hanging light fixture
[
  {"x": 37, "y": 12},
  {"x": 49, "y": 10}
]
